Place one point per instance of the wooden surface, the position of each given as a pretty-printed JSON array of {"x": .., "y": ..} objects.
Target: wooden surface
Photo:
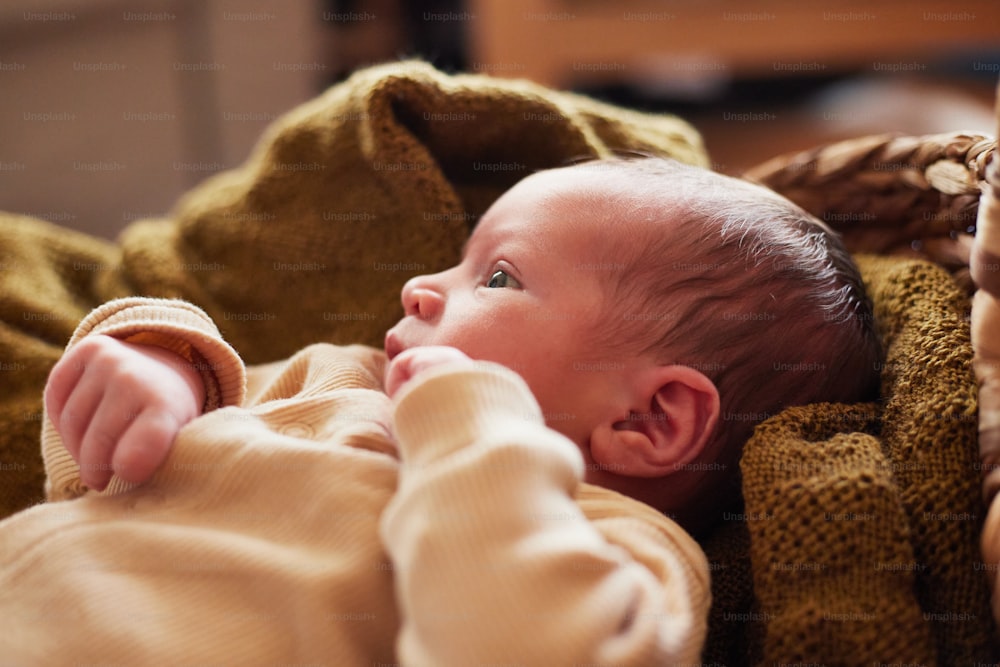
[{"x": 564, "y": 43}]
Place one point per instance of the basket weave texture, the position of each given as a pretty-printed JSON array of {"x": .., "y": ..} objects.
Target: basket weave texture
[{"x": 914, "y": 196}]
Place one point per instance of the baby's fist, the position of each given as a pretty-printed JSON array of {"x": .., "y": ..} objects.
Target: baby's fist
[
  {"x": 118, "y": 406},
  {"x": 405, "y": 366}
]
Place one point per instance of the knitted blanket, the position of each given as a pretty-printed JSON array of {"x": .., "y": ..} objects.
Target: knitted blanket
[
  {"x": 858, "y": 542},
  {"x": 864, "y": 520}
]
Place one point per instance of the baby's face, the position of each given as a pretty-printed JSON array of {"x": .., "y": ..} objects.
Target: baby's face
[{"x": 529, "y": 294}]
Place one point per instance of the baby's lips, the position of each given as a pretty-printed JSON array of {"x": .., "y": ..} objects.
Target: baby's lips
[{"x": 393, "y": 346}]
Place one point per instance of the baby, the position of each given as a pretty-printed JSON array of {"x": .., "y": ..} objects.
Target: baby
[
  {"x": 657, "y": 312},
  {"x": 614, "y": 330}
]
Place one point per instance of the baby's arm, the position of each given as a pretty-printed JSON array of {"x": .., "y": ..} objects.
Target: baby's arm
[
  {"x": 494, "y": 561},
  {"x": 134, "y": 372}
]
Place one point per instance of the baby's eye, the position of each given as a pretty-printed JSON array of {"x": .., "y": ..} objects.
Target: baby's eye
[{"x": 501, "y": 278}]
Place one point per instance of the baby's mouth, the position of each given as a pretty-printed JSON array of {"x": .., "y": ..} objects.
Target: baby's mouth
[{"x": 393, "y": 346}]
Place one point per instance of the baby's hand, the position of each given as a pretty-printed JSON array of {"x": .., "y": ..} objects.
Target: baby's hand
[
  {"x": 119, "y": 406},
  {"x": 408, "y": 364}
]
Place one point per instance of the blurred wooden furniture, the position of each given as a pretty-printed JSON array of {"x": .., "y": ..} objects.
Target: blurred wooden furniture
[{"x": 572, "y": 42}]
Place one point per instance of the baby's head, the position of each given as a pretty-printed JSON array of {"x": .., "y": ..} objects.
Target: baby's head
[{"x": 658, "y": 312}]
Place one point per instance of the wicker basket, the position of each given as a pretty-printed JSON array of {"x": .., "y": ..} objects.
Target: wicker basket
[{"x": 891, "y": 194}]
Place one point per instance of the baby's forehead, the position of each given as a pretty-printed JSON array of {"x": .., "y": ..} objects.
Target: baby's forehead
[
  {"x": 610, "y": 205},
  {"x": 596, "y": 211}
]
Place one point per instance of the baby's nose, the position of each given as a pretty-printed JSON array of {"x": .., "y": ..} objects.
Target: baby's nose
[{"x": 421, "y": 299}]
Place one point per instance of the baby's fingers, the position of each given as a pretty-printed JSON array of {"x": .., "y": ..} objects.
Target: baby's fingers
[
  {"x": 412, "y": 362},
  {"x": 59, "y": 388},
  {"x": 96, "y": 448},
  {"x": 73, "y": 415},
  {"x": 144, "y": 447}
]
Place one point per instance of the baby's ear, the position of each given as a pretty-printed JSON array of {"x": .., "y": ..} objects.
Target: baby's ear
[{"x": 673, "y": 416}]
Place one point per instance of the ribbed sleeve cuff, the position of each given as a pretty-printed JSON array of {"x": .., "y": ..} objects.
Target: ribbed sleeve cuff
[
  {"x": 452, "y": 405},
  {"x": 181, "y": 328}
]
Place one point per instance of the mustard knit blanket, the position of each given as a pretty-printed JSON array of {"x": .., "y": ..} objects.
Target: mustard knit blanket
[{"x": 858, "y": 544}]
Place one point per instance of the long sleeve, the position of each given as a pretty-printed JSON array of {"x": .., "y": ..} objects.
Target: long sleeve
[
  {"x": 173, "y": 325},
  {"x": 496, "y": 562}
]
